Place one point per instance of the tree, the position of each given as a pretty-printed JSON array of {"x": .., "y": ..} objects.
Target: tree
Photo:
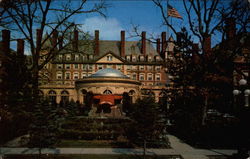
[
  {"x": 207, "y": 71},
  {"x": 145, "y": 124},
  {"x": 31, "y": 19},
  {"x": 44, "y": 128}
]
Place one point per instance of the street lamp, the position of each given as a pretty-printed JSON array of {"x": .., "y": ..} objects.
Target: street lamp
[{"x": 244, "y": 118}]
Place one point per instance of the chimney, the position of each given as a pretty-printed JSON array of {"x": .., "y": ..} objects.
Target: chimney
[
  {"x": 75, "y": 42},
  {"x": 207, "y": 45},
  {"x": 20, "y": 47},
  {"x": 230, "y": 28},
  {"x": 54, "y": 39},
  {"x": 96, "y": 43},
  {"x": 6, "y": 41},
  {"x": 143, "y": 43},
  {"x": 60, "y": 41},
  {"x": 158, "y": 46},
  {"x": 38, "y": 39},
  {"x": 164, "y": 44},
  {"x": 122, "y": 43}
]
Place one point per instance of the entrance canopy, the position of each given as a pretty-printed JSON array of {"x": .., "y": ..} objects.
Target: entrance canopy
[{"x": 107, "y": 99}]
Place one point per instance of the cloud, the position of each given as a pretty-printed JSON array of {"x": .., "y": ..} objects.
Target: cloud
[{"x": 109, "y": 28}]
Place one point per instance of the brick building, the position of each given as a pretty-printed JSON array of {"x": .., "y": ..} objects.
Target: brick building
[{"x": 138, "y": 60}]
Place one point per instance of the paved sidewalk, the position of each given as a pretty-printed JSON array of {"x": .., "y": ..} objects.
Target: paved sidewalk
[{"x": 178, "y": 148}]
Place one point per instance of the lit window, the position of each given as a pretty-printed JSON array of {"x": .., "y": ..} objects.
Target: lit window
[
  {"x": 150, "y": 77},
  {"x": 142, "y": 77},
  {"x": 59, "y": 75},
  {"x": 59, "y": 66},
  {"x": 67, "y": 66},
  {"x": 158, "y": 77},
  {"x": 109, "y": 58},
  {"x": 76, "y": 75},
  {"x": 67, "y": 75},
  {"x": 75, "y": 66}
]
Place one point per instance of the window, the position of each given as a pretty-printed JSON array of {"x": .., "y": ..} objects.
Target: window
[
  {"x": 64, "y": 96},
  {"x": 134, "y": 67},
  {"x": 99, "y": 67},
  {"x": 150, "y": 77},
  {"x": 84, "y": 66},
  {"x": 67, "y": 75},
  {"x": 60, "y": 57},
  {"x": 128, "y": 67},
  {"x": 90, "y": 57},
  {"x": 90, "y": 67},
  {"x": 128, "y": 58},
  {"x": 68, "y": 57},
  {"x": 67, "y": 66},
  {"x": 76, "y": 57},
  {"x": 109, "y": 66},
  {"x": 107, "y": 92},
  {"x": 157, "y": 68},
  {"x": 142, "y": 77},
  {"x": 134, "y": 76},
  {"x": 59, "y": 75},
  {"x": 59, "y": 66},
  {"x": 141, "y": 58},
  {"x": 109, "y": 58},
  {"x": 128, "y": 75},
  {"x": 75, "y": 66},
  {"x": 76, "y": 75},
  {"x": 89, "y": 74},
  {"x": 141, "y": 68},
  {"x": 157, "y": 58},
  {"x": 134, "y": 59},
  {"x": 52, "y": 96},
  {"x": 158, "y": 77},
  {"x": 118, "y": 67},
  {"x": 149, "y": 58},
  {"x": 150, "y": 68},
  {"x": 84, "y": 75}
]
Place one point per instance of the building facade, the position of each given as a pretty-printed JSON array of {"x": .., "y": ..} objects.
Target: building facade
[{"x": 137, "y": 60}]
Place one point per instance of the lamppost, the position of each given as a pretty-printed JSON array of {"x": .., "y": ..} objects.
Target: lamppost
[{"x": 244, "y": 117}]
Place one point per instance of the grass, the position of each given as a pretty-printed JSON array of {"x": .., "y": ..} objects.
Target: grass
[{"x": 91, "y": 157}]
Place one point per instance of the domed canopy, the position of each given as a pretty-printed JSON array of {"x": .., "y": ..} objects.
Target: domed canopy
[{"x": 108, "y": 72}]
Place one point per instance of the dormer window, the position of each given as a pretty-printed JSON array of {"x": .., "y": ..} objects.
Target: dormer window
[
  {"x": 76, "y": 57},
  {"x": 109, "y": 58},
  {"x": 141, "y": 58},
  {"x": 128, "y": 58},
  {"x": 60, "y": 57},
  {"x": 90, "y": 57},
  {"x": 149, "y": 59},
  {"x": 68, "y": 57},
  {"x": 133, "y": 58}
]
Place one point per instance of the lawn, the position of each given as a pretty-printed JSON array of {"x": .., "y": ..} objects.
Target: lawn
[{"x": 91, "y": 157}]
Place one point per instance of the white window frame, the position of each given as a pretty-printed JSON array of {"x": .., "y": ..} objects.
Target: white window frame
[
  {"x": 67, "y": 77},
  {"x": 59, "y": 75},
  {"x": 66, "y": 66},
  {"x": 75, "y": 74}
]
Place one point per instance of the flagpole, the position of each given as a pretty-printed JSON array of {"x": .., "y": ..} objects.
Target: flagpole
[{"x": 167, "y": 22}]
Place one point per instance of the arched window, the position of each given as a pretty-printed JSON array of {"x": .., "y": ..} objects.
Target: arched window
[
  {"x": 107, "y": 92},
  {"x": 64, "y": 96},
  {"x": 131, "y": 92},
  {"x": 52, "y": 96}
]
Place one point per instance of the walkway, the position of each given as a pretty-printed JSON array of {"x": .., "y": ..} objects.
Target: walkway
[{"x": 178, "y": 148}]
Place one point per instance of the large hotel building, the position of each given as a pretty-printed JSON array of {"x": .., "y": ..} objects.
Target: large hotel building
[{"x": 107, "y": 69}]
